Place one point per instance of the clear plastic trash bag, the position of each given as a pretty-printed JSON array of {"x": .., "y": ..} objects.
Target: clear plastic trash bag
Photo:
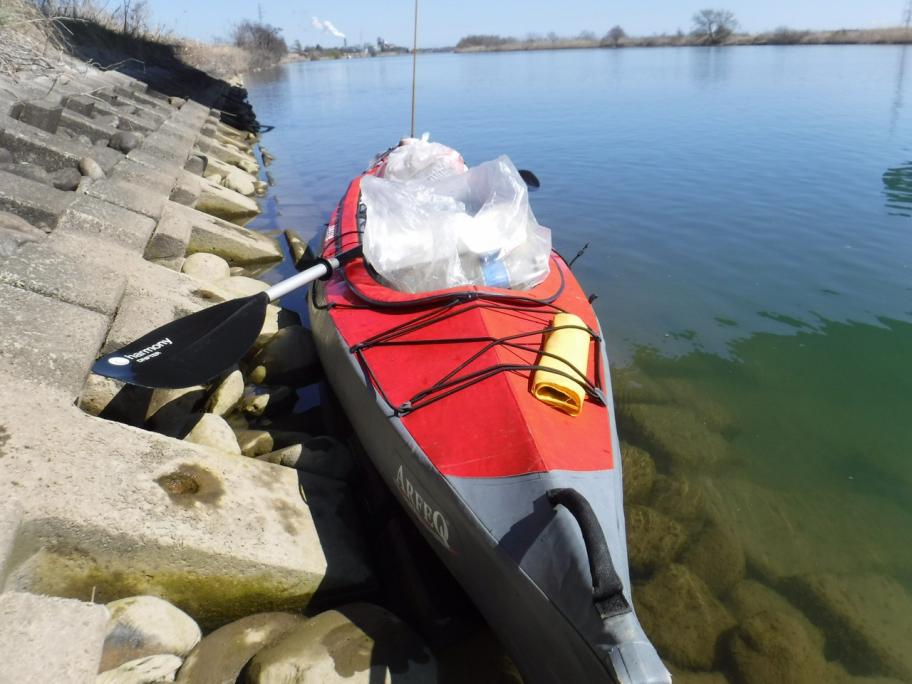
[{"x": 469, "y": 228}]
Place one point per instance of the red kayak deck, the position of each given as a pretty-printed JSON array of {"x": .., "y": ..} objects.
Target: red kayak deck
[{"x": 488, "y": 424}]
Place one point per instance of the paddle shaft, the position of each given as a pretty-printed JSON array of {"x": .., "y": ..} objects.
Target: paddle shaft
[{"x": 301, "y": 279}]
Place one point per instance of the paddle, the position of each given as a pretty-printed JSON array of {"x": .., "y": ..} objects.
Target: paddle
[
  {"x": 530, "y": 178},
  {"x": 197, "y": 348}
]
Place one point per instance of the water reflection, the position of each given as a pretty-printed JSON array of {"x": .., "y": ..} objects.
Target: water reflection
[
  {"x": 709, "y": 65},
  {"x": 777, "y": 485},
  {"x": 898, "y": 189},
  {"x": 898, "y": 93}
]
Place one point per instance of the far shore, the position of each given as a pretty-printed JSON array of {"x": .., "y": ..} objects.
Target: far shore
[{"x": 783, "y": 36}]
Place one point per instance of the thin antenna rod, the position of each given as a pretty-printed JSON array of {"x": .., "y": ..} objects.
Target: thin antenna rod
[{"x": 414, "y": 65}]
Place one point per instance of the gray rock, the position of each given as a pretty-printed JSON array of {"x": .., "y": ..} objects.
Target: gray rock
[
  {"x": 225, "y": 204},
  {"x": 89, "y": 167},
  {"x": 289, "y": 358},
  {"x": 15, "y": 232},
  {"x": 27, "y": 170},
  {"x": 221, "y": 655},
  {"x": 653, "y": 540},
  {"x": 682, "y": 617},
  {"x": 255, "y": 442},
  {"x": 639, "y": 473},
  {"x": 101, "y": 142},
  {"x": 717, "y": 557},
  {"x": 239, "y": 181},
  {"x": 227, "y": 394},
  {"x": 357, "y": 643},
  {"x": 146, "y": 625},
  {"x": 113, "y": 400},
  {"x": 66, "y": 179},
  {"x": 259, "y": 402},
  {"x": 148, "y": 670},
  {"x": 320, "y": 456},
  {"x": 772, "y": 647},
  {"x": 86, "y": 140},
  {"x": 6, "y": 157},
  {"x": 212, "y": 431},
  {"x": 169, "y": 408},
  {"x": 125, "y": 141}
]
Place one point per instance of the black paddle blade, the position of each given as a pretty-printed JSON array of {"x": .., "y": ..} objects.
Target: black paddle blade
[
  {"x": 530, "y": 178},
  {"x": 191, "y": 350}
]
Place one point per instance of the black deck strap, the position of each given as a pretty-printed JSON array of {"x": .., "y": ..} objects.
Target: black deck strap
[{"x": 607, "y": 588}]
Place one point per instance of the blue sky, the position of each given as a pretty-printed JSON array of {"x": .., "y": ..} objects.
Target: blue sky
[{"x": 444, "y": 23}]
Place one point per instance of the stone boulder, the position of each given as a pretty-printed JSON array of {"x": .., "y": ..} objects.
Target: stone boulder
[
  {"x": 260, "y": 402},
  {"x": 320, "y": 456},
  {"x": 749, "y": 597},
  {"x": 355, "y": 643},
  {"x": 114, "y": 400},
  {"x": 678, "y": 498},
  {"x": 226, "y": 394},
  {"x": 639, "y": 473},
  {"x": 653, "y": 540},
  {"x": 125, "y": 141},
  {"x": 866, "y": 618},
  {"x": 91, "y": 168},
  {"x": 225, "y": 204},
  {"x": 773, "y": 647},
  {"x": 289, "y": 358},
  {"x": 239, "y": 286},
  {"x": 239, "y": 181},
  {"x": 168, "y": 409},
  {"x": 141, "y": 626},
  {"x": 675, "y": 436},
  {"x": 207, "y": 268},
  {"x": 682, "y": 617},
  {"x": 148, "y": 670},
  {"x": 221, "y": 655},
  {"x": 210, "y": 430},
  {"x": 717, "y": 557}
]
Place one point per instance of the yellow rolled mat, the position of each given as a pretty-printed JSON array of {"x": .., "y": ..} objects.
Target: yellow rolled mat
[{"x": 571, "y": 345}]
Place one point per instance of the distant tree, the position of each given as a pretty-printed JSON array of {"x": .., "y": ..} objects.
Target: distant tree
[
  {"x": 587, "y": 35},
  {"x": 534, "y": 38},
  {"x": 714, "y": 26},
  {"x": 263, "y": 41},
  {"x": 296, "y": 47},
  {"x": 614, "y": 36},
  {"x": 553, "y": 37},
  {"x": 483, "y": 40}
]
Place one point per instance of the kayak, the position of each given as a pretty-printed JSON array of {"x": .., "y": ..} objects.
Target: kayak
[{"x": 523, "y": 502}]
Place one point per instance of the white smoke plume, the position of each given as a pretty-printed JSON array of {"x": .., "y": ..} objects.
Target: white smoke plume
[{"x": 327, "y": 26}]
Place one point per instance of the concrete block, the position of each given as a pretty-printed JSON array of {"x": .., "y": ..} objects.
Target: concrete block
[
  {"x": 171, "y": 236},
  {"x": 48, "y": 639},
  {"x": 95, "y": 129},
  {"x": 225, "y": 204},
  {"x": 46, "y": 341},
  {"x": 36, "y": 202},
  {"x": 186, "y": 190},
  {"x": 125, "y": 512},
  {"x": 226, "y": 154},
  {"x": 81, "y": 104},
  {"x": 128, "y": 195},
  {"x": 64, "y": 273},
  {"x": 95, "y": 217},
  {"x": 42, "y": 114},
  {"x": 158, "y": 181},
  {"x": 238, "y": 246},
  {"x": 51, "y": 152},
  {"x": 10, "y": 519}
]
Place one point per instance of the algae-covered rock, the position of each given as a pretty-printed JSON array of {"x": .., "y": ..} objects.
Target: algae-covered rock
[
  {"x": 682, "y": 617},
  {"x": 678, "y": 498},
  {"x": 717, "y": 557},
  {"x": 221, "y": 655},
  {"x": 866, "y": 618},
  {"x": 680, "y": 676},
  {"x": 653, "y": 539},
  {"x": 141, "y": 626},
  {"x": 674, "y": 435},
  {"x": 639, "y": 473},
  {"x": 773, "y": 647},
  {"x": 357, "y": 643},
  {"x": 148, "y": 670},
  {"x": 749, "y": 597}
]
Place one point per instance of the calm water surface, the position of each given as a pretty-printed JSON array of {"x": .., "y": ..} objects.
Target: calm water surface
[{"x": 748, "y": 215}]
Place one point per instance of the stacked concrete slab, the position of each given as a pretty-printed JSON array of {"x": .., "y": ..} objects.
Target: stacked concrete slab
[{"x": 97, "y": 510}]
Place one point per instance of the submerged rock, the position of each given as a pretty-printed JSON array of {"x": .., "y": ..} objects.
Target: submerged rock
[
  {"x": 677, "y": 498},
  {"x": 717, "y": 557},
  {"x": 221, "y": 655},
  {"x": 674, "y": 435},
  {"x": 639, "y": 473},
  {"x": 653, "y": 539},
  {"x": 749, "y": 597},
  {"x": 148, "y": 670},
  {"x": 682, "y": 617},
  {"x": 773, "y": 647},
  {"x": 146, "y": 625},
  {"x": 357, "y": 643}
]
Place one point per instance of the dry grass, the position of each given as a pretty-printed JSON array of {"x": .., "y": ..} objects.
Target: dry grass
[
  {"x": 221, "y": 61},
  {"x": 28, "y": 40}
]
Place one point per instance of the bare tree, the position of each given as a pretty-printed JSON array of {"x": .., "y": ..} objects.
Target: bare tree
[
  {"x": 614, "y": 36},
  {"x": 262, "y": 41},
  {"x": 714, "y": 26},
  {"x": 587, "y": 35}
]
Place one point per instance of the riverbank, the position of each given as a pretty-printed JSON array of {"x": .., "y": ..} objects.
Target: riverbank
[{"x": 781, "y": 36}]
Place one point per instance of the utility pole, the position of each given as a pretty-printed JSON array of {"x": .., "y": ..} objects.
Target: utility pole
[{"x": 260, "y": 12}]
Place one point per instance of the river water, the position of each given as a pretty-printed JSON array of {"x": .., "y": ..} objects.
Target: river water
[{"x": 749, "y": 218}]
